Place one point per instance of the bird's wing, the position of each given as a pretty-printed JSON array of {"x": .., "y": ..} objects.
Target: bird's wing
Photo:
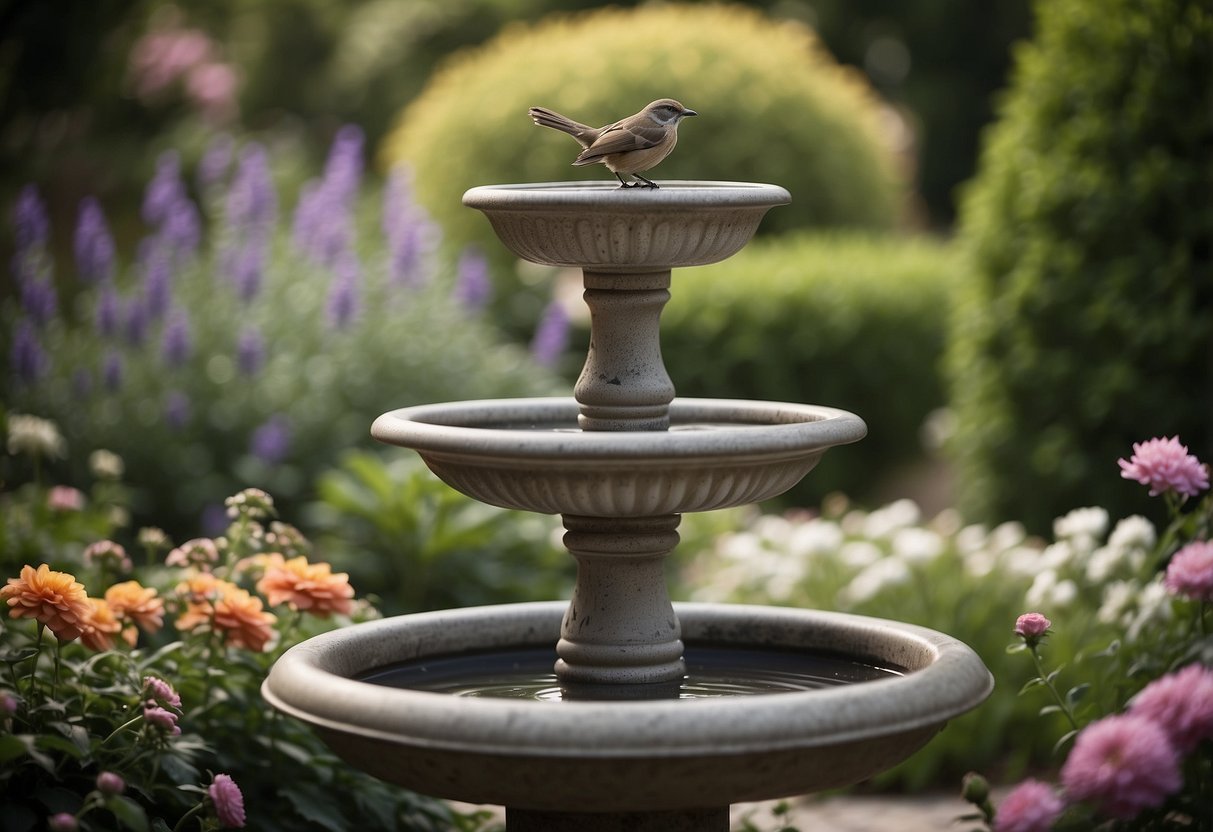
[{"x": 619, "y": 139}]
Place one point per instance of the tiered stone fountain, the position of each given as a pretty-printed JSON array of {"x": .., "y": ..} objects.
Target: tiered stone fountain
[{"x": 620, "y": 710}]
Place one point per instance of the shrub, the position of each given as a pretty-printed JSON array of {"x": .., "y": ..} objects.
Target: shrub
[
  {"x": 247, "y": 352},
  {"x": 1088, "y": 238},
  {"x": 146, "y": 713},
  {"x": 773, "y": 107},
  {"x": 850, "y": 321}
]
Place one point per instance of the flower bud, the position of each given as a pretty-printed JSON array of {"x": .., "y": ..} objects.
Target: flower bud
[
  {"x": 975, "y": 788},
  {"x": 110, "y": 784},
  {"x": 62, "y": 822}
]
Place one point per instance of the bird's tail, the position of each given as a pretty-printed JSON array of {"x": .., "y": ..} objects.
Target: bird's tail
[{"x": 581, "y": 132}]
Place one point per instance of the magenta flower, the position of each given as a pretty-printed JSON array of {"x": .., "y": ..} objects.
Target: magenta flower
[
  {"x": 228, "y": 800},
  {"x": 161, "y": 718},
  {"x": 1190, "y": 572},
  {"x": 110, "y": 783},
  {"x": 62, "y": 822},
  {"x": 1031, "y": 626},
  {"x": 159, "y": 692},
  {"x": 1123, "y": 764},
  {"x": 1032, "y": 806},
  {"x": 1165, "y": 465},
  {"x": 1182, "y": 704},
  {"x": 63, "y": 498}
]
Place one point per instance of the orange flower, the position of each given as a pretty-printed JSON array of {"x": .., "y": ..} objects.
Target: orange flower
[
  {"x": 98, "y": 632},
  {"x": 307, "y": 586},
  {"x": 231, "y": 611},
  {"x": 56, "y": 599},
  {"x": 131, "y": 601}
]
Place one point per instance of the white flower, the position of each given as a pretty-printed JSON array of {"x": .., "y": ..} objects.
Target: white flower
[
  {"x": 917, "y": 545},
  {"x": 1103, "y": 564},
  {"x": 1056, "y": 555},
  {"x": 34, "y": 436},
  {"x": 1006, "y": 535},
  {"x": 106, "y": 465},
  {"x": 772, "y": 528},
  {"x": 888, "y": 519},
  {"x": 1153, "y": 606},
  {"x": 1047, "y": 592},
  {"x": 1118, "y": 599},
  {"x": 971, "y": 539},
  {"x": 1023, "y": 560},
  {"x": 1134, "y": 532},
  {"x": 741, "y": 546},
  {"x": 872, "y": 581},
  {"x": 860, "y": 553},
  {"x": 1089, "y": 522},
  {"x": 815, "y": 537}
]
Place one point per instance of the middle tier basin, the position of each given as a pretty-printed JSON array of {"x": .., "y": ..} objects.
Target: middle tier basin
[{"x": 529, "y": 454}]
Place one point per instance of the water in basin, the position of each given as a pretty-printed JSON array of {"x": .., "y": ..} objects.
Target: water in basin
[{"x": 712, "y": 671}]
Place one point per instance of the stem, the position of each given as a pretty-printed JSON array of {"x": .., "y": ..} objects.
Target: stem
[
  {"x": 1040, "y": 673},
  {"x": 34, "y": 667},
  {"x": 58, "y": 659},
  {"x": 121, "y": 728},
  {"x": 191, "y": 813}
]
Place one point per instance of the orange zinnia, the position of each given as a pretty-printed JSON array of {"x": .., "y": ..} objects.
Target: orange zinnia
[
  {"x": 233, "y": 612},
  {"x": 56, "y": 599},
  {"x": 98, "y": 632},
  {"x": 132, "y": 601},
  {"x": 311, "y": 587}
]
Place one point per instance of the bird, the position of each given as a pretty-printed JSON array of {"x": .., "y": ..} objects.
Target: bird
[{"x": 629, "y": 146}]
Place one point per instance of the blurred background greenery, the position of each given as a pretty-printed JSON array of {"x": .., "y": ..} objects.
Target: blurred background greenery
[{"x": 999, "y": 252}]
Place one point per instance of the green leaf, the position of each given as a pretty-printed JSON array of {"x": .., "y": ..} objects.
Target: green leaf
[
  {"x": 1076, "y": 694},
  {"x": 1016, "y": 647},
  {"x": 318, "y": 808},
  {"x": 129, "y": 813},
  {"x": 17, "y": 656},
  {"x": 1049, "y": 709},
  {"x": 1065, "y": 738},
  {"x": 1034, "y": 682}
]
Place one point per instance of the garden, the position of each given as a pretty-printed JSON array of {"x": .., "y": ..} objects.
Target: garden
[{"x": 235, "y": 237}]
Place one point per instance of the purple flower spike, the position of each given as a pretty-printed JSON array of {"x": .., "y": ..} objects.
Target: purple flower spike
[
  {"x": 252, "y": 204},
  {"x": 250, "y": 352},
  {"x": 93, "y": 243},
  {"x": 215, "y": 161},
  {"x": 247, "y": 268},
  {"x": 135, "y": 322},
  {"x": 30, "y": 224},
  {"x": 551, "y": 336},
  {"x": 343, "y": 300},
  {"x": 157, "y": 281},
  {"x": 109, "y": 312},
  {"x": 177, "y": 340},
  {"x": 112, "y": 371},
  {"x": 164, "y": 190},
  {"x": 411, "y": 235},
  {"x": 28, "y": 359},
  {"x": 473, "y": 290},
  {"x": 271, "y": 442},
  {"x": 39, "y": 299},
  {"x": 177, "y": 410},
  {"x": 343, "y": 169}
]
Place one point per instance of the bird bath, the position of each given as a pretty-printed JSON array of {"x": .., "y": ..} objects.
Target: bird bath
[{"x": 622, "y": 710}]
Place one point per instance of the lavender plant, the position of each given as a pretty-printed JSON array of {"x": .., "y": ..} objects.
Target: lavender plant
[{"x": 244, "y": 343}]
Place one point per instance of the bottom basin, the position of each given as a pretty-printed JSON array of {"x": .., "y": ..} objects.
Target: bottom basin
[{"x": 637, "y": 755}]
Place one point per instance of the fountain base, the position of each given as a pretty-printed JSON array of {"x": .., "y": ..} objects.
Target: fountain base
[{"x": 695, "y": 820}]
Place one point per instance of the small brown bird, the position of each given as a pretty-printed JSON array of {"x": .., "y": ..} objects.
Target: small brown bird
[{"x": 630, "y": 146}]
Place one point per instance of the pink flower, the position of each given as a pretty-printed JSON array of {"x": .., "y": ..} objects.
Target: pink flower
[
  {"x": 110, "y": 784},
  {"x": 1190, "y": 572},
  {"x": 1123, "y": 764},
  {"x": 160, "y": 692},
  {"x": 200, "y": 552},
  {"x": 1182, "y": 704},
  {"x": 1032, "y": 806},
  {"x": 109, "y": 554},
  {"x": 160, "y": 718},
  {"x": 1165, "y": 465},
  {"x": 63, "y": 498},
  {"x": 229, "y": 802},
  {"x": 62, "y": 822},
  {"x": 1031, "y": 626}
]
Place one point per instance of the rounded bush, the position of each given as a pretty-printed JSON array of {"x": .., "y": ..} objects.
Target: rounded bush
[
  {"x": 774, "y": 107},
  {"x": 845, "y": 320},
  {"x": 1088, "y": 321}
]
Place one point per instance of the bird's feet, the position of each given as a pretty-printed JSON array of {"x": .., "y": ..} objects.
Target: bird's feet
[{"x": 642, "y": 183}]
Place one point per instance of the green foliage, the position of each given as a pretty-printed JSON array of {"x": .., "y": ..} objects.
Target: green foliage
[
  {"x": 850, "y": 321},
  {"x": 85, "y": 708},
  {"x": 187, "y": 427},
  {"x": 405, "y": 536},
  {"x": 1089, "y": 309},
  {"x": 773, "y": 108}
]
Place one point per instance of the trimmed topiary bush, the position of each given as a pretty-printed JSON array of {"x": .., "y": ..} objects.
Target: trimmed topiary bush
[
  {"x": 850, "y": 321},
  {"x": 773, "y": 107},
  {"x": 1088, "y": 319}
]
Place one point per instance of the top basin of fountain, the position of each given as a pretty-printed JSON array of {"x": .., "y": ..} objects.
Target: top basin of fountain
[{"x": 601, "y": 227}]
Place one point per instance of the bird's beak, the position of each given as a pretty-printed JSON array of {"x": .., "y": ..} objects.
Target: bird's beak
[{"x": 686, "y": 113}]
